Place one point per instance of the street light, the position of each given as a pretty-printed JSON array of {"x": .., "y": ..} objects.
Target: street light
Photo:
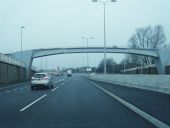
[
  {"x": 41, "y": 64},
  {"x": 141, "y": 62},
  {"x": 22, "y": 27},
  {"x": 87, "y": 41},
  {"x": 124, "y": 65},
  {"x": 104, "y": 5}
]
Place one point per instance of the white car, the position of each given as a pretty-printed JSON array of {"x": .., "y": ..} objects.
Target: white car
[{"x": 41, "y": 80}]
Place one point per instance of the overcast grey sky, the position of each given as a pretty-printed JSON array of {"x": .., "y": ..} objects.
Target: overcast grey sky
[{"x": 58, "y": 23}]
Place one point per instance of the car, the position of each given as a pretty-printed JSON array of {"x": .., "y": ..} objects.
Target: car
[{"x": 41, "y": 80}]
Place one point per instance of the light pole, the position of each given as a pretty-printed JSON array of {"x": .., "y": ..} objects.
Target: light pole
[
  {"x": 22, "y": 27},
  {"x": 87, "y": 41},
  {"x": 141, "y": 62},
  {"x": 124, "y": 65},
  {"x": 104, "y": 5},
  {"x": 41, "y": 64}
]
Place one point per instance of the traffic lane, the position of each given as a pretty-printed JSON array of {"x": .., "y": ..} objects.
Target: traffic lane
[
  {"x": 153, "y": 103},
  {"x": 13, "y": 86},
  {"x": 9, "y": 107},
  {"x": 11, "y": 101},
  {"x": 56, "y": 78},
  {"x": 79, "y": 104},
  {"x": 23, "y": 92}
]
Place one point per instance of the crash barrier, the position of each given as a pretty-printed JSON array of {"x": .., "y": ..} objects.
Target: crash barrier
[{"x": 158, "y": 83}]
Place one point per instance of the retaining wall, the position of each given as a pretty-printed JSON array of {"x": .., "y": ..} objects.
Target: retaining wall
[{"x": 11, "y": 73}]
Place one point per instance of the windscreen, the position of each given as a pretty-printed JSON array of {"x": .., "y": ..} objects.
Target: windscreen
[{"x": 39, "y": 76}]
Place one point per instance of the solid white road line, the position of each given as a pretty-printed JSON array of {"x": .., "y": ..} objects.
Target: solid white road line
[
  {"x": 33, "y": 103},
  {"x": 138, "y": 111},
  {"x": 55, "y": 88},
  {"x": 13, "y": 85}
]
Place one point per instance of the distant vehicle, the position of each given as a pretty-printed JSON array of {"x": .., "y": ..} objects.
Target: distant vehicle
[
  {"x": 58, "y": 74},
  {"x": 92, "y": 74},
  {"x": 88, "y": 70},
  {"x": 114, "y": 46},
  {"x": 69, "y": 73},
  {"x": 41, "y": 80}
]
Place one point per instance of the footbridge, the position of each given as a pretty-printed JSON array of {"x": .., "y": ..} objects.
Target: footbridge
[{"x": 161, "y": 57}]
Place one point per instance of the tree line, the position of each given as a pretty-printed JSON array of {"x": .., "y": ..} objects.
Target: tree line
[{"x": 150, "y": 37}]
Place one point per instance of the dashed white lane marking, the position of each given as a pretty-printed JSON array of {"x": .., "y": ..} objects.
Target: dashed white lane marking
[
  {"x": 62, "y": 84},
  {"x": 15, "y": 89},
  {"x": 33, "y": 103},
  {"x": 59, "y": 81},
  {"x": 6, "y": 91},
  {"x": 20, "y": 88},
  {"x": 146, "y": 116},
  {"x": 55, "y": 88}
]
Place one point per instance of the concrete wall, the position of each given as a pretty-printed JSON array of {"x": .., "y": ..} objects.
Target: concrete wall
[
  {"x": 167, "y": 69},
  {"x": 11, "y": 73},
  {"x": 159, "y": 83}
]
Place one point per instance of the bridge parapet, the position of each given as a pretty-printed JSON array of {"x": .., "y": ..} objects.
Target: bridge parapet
[{"x": 54, "y": 51}]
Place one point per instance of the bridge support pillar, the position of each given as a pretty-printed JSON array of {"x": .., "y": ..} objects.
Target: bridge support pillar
[{"x": 164, "y": 58}]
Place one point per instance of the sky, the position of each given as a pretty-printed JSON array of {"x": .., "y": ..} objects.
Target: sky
[{"x": 58, "y": 23}]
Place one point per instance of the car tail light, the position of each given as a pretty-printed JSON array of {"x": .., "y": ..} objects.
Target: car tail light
[{"x": 32, "y": 78}]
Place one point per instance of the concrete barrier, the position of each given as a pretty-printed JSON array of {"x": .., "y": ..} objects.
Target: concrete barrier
[
  {"x": 158, "y": 83},
  {"x": 10, "y": 70},
  {"x": 11, "y": 74}
]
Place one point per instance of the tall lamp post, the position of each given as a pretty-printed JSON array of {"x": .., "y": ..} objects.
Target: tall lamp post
[
  {"x": 87, "y": 41},
  {"x": 141, "y": 63},
  {"x": 22, "y": 27},
  {"x": 124, "y": 66},
  {"x": 41, "y": 64},
  {"x": 104, "y": 5}
]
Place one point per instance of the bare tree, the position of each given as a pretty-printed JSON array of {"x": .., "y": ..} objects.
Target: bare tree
[
  {"x": 166, "y": 47},
  {"x": 149, "y": 37},
  {"x": 110, "y": 64}
]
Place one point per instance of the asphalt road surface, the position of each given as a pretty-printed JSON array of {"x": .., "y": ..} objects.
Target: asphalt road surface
[{"x": 74, "y": 102}]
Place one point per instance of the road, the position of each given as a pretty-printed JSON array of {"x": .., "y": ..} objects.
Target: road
[{"x": 75, "y": 103}]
